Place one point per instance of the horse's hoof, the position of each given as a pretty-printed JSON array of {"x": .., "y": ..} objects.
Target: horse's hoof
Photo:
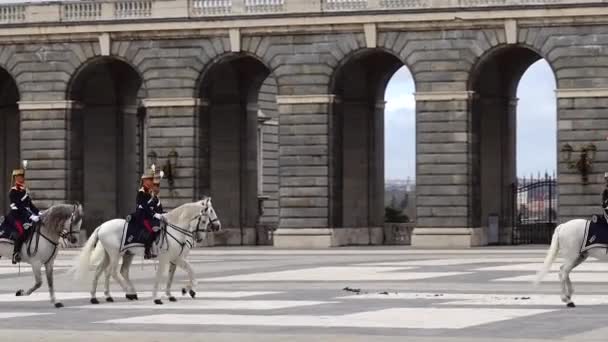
[
  {"x": 19, "y": 293},
  {"x": 130, "y": 296},
  {"x": 192, "y": 293},
  {"x": 172, "y": 299},
  {"x": 158, "y": 302},
  {"x": 94, "y": 301},
  {"x": 571, "y": 305},
  {"x": 184, "y": 291},
  {"x": 58, "y": 305},
  {"x": 135, "y": 297},
  {"x": 110, "y": 300}
]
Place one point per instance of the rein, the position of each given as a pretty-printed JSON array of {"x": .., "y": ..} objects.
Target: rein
[{"x": 188, "y": 234}]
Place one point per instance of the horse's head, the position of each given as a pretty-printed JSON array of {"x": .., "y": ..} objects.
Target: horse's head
[
  {"x": 206, "y": 218},
  {"x": 65, "y": 220},
  {"x": 213, "y": 220}
]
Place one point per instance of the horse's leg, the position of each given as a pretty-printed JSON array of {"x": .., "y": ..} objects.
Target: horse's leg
[
  {"x": 192, "y": 282},
  {"x": 127, "y": 260},
  {"x": 114, "y": 259},
  {"x": 48, "y": 268},
  {"x": 103, "y": 265},
  {"x": 564, "y": 276},
  {"x": 37, "y": 269},
  {"x": 577, "y": 262},
  {"x": 172, "y": 269},
  {"x": 162, "y": 265}
]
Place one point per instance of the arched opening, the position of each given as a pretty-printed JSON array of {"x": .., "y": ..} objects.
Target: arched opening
[
  {"x": 229, "y": 131},
  {"x": 105, "y": 139},
  {"x": 358, "y": 167},
  {"x": 9, "y": 130},
  {"x": 495, "y": 82},
  {"x": 400, "y": 151}
]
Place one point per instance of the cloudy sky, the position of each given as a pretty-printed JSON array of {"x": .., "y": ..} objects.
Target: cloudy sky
[{"x": 536, "y": 123}]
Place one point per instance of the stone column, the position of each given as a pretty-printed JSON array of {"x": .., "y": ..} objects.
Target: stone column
[
  {"x": 445, "y": 191},
  {"x": 497, "y": 162},
  {"x": 128, "y": 159},
  {"x": 172, "y": 125},
  {"x": 9, "y": 149},
  {"x": 45, "y": 143},
  {"x": 305, "y": 173}
]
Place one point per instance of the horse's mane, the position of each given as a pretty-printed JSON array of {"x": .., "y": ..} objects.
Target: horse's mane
[
  {"x": 185, "y": 210},
  {"x": 58, "y": 214}
]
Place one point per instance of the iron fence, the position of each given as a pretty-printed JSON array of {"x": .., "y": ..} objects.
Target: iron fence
[{"x": 534, "y": 210}]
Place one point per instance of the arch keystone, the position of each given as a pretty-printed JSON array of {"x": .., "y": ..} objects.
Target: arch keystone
[
  {"x": 104, "y": 43},
  {"x": 371, "y": 35},
  {"x": 235, "y": 39},
  {"x": 511, "y": 31}
]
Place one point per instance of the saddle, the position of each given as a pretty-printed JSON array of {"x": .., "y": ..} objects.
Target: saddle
[
  {"x": 9, "y": 233},
  {"x": 596, "y": 233},
  {"x": 134, "y": 235}
]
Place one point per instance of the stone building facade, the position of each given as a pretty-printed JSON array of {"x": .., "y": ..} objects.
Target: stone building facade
[{"x": 88, "y": 92}]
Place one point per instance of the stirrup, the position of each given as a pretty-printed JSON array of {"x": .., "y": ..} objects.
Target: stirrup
[{"x": 16, "y": 258}]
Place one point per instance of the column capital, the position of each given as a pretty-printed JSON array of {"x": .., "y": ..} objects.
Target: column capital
[
  {"x": 306, "y": 99},
  {"x": 444, "y": 95},
  {"x": 48, "y": 105},
  {"x": 172, "y": 102}
]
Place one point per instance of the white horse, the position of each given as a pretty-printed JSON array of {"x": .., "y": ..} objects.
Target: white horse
[
  {"x": 569, "y": 239},
  {"x": 61, "y": 221},
  {"x": 185, "y": 226}
]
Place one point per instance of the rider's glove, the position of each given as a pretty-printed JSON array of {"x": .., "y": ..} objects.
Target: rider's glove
[
  {"x": 158, "y": 216},
  {"x": 35, "y": 218}
]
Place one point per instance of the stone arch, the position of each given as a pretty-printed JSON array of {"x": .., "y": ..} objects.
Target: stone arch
[
  {"x": 493, "y": 85},
  {"x": 229, "y": 89},
  {"x": 357, "y": 167},
  {"x": 9, "y": 131},
  {"x": 105, "y": 138}
]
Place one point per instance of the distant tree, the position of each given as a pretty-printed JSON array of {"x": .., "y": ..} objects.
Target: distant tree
[
  {"x": 393, "y": 215},
  {"x": 394, "y": 202}
]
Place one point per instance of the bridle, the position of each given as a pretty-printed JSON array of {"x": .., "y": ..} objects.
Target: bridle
[
  {"x": 193, "y": 234},
  {"x": 70, "y": 233}
]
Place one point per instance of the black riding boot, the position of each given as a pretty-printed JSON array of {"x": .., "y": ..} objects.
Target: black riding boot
[
  {"x": 148, "y": 254},
  {"x": 17, "y": 250}
]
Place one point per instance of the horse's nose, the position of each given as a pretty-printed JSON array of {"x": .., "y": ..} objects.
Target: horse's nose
[{"x": 73, "y": 240}]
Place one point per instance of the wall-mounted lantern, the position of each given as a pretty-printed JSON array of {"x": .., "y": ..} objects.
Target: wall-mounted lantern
[{"x": 584, "y": 162}]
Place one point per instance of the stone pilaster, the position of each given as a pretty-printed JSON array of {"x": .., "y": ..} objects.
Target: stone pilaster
[
  {"x": 44, "y": 128},
  {"x": 445, "y": 179},
  {"x": 581, "y": 121},
  {"x": 305, "y": 175},
  {"x": 172, "y": 125}
]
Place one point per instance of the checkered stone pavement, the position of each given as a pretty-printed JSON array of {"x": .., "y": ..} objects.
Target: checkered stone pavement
[{"x": 340, "y": 294}]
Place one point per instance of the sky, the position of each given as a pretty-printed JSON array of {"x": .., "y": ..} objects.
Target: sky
[{"x": 536, "y": 124}]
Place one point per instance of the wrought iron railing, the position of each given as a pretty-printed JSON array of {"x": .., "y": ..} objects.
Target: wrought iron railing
[{"x": 534, "y": 210}]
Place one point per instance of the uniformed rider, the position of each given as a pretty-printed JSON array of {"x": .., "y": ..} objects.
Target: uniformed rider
[
  {"x": 23, "y": 213},
  {"x": 146, "y": 212}
]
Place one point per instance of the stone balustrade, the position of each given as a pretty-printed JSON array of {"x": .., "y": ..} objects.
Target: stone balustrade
[{"x": 82, "y": 11}]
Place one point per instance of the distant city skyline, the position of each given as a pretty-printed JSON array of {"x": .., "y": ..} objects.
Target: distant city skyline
[{"x": 536, "y": 124}]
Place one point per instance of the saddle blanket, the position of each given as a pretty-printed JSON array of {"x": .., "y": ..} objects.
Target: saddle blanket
[
  {"x": 8, "y": 233},
  {"x": 596, "y": 233},
  {"x": 133, "y": 235}
]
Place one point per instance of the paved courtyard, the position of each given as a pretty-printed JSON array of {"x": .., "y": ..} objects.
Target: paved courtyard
[{"x": 357, "y": 294}]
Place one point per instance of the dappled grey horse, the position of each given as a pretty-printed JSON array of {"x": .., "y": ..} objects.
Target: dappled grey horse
[{"x": 59, "y": 222}]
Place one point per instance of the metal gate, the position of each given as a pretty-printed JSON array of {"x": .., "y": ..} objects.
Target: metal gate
[{"x": 534, "y": 210}]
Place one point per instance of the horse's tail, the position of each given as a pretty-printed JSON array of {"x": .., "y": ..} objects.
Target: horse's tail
[
  {"x": 98, "y": 255},
  {"x": 551, "y": 255},
  {"x": 81, "y": 268}
]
